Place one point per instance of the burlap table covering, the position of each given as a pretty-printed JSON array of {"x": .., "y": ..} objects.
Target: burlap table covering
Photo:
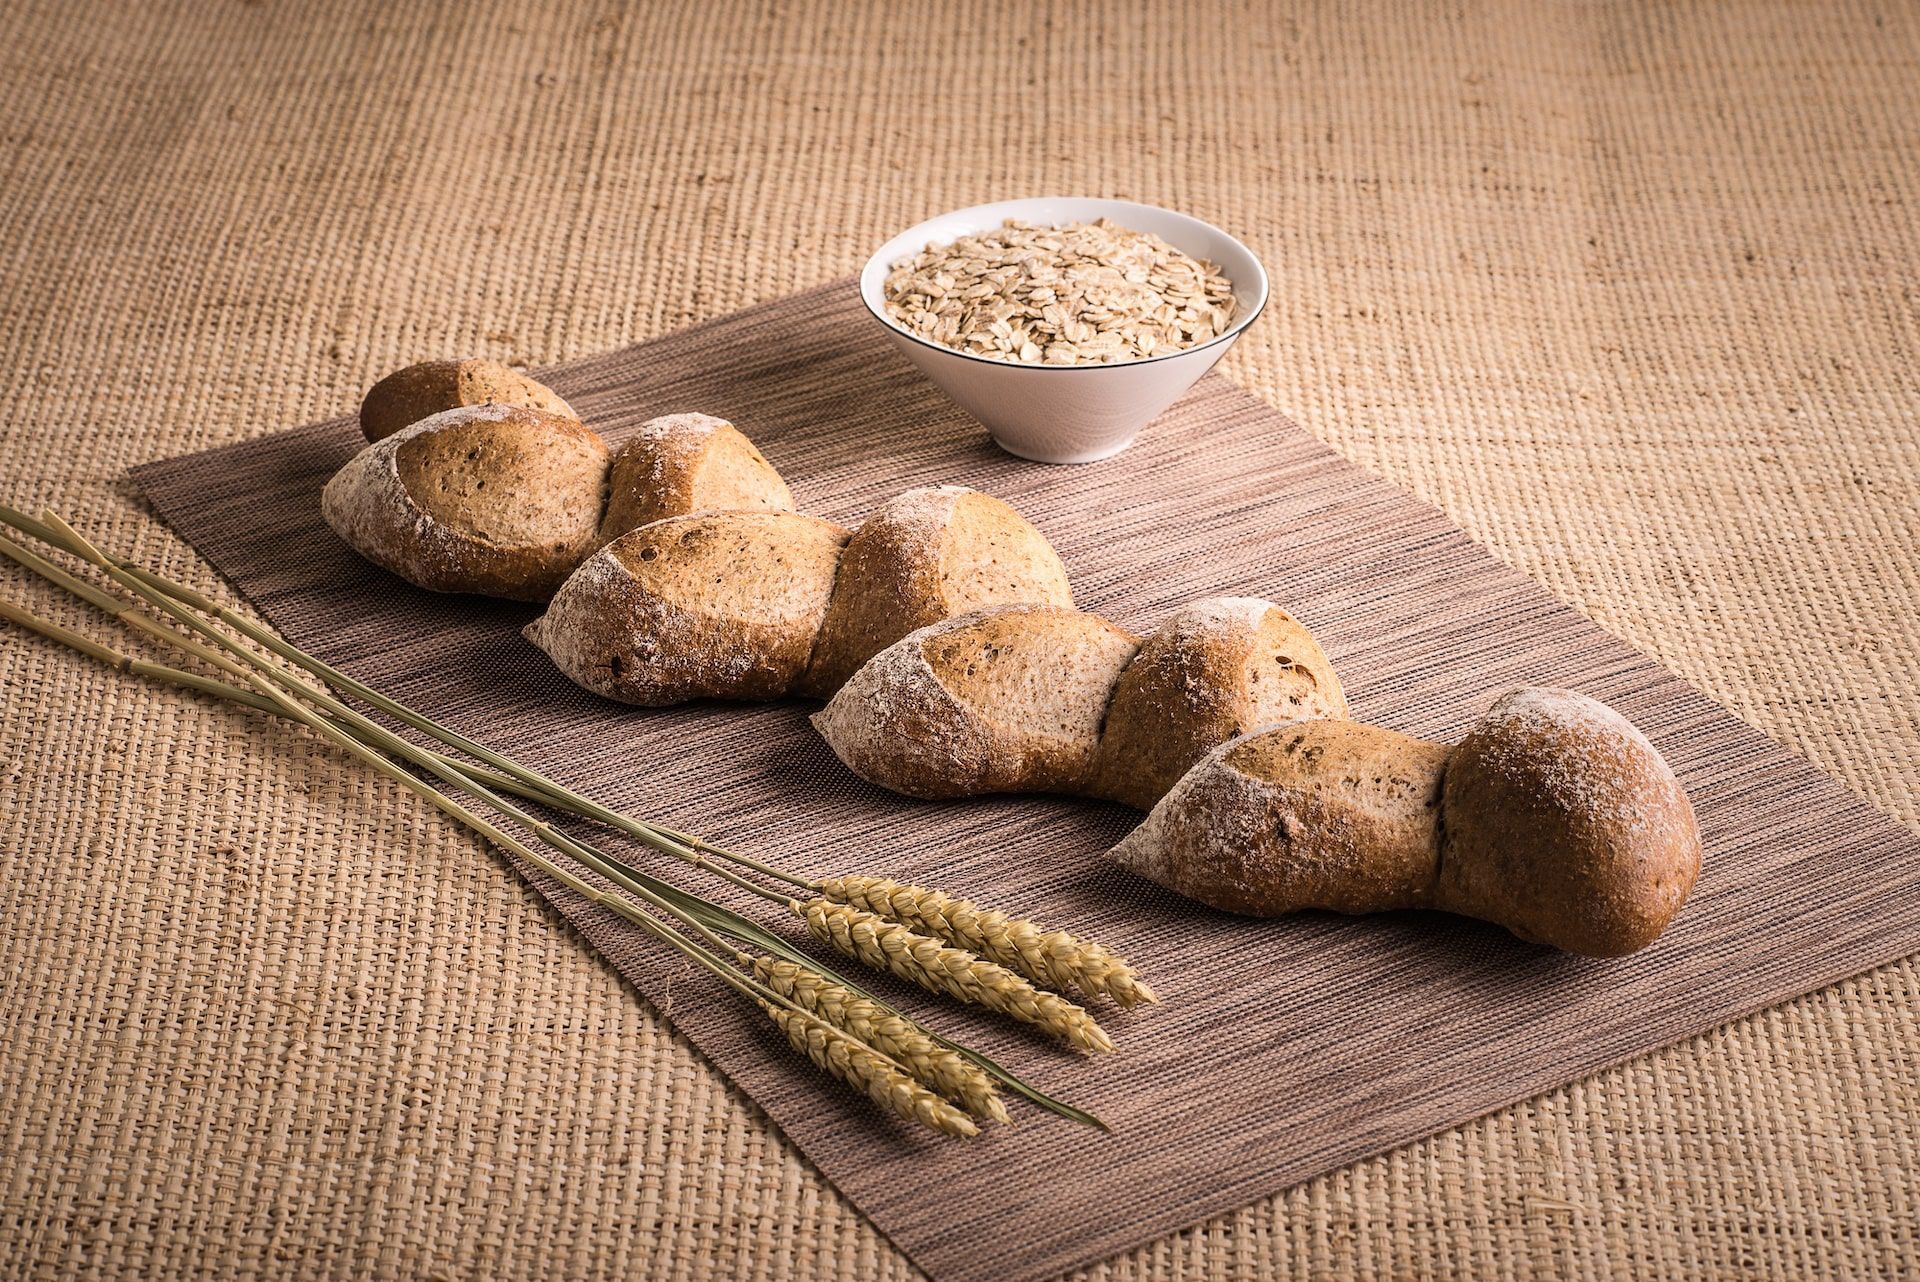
[
  {"x": 1621, "y": 290},
  {"x": 1283, "y": 1049}
]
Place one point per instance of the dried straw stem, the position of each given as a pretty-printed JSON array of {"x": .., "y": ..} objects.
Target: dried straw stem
[
  {"x": 270, "y": 688},
  {"x": 899, "y": 1039},
  {"x": 888, "y": 945},
  {"x": 1051, "y": 957},
  {"x": 860, "y": 1067}
]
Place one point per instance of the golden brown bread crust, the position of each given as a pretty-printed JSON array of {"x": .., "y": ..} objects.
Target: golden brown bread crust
[
  {"x": 716, "y": 605},
  {"x": 1320, "y": 814},
  {"x": 997, "y": 700},
  {"x": 1217, "y": 668},
  {"x": 1554, "y": 817},
  {"x": 1565, "y": 825},
  {"x": 683, "y": 463},
  {"x": 924, "y": 556},
  {"x": 493, "y": 499},
  {"x": 1213, "y": 670},
  {"x": 406, "y": 396}
]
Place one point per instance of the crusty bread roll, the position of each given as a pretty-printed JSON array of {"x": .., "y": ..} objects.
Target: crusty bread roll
[
  {"x": 1000, "y": 700},
  {"x": 928, "y": 550},
  {"x": 1217, "y": 668},
  {"x": 1136, "y": 715},
  {"x": 926, "y": 555},
  {"x": 683, "y": 463},
  {"x": 1554, "y": 817},
  {"x": 720, "y": 605},
  {"x": 487, "y": 498},
  {"x": 406, "y": 396},
  {"x": 1563, "y": 824}
]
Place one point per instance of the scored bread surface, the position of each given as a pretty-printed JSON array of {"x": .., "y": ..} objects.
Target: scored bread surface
[
  {"x": 496, "y": 499},
  {"x": 1323, "y": 814},
  {"x": 1213, "y": 670},
  {"x": 1216, "y": 668},
  {"x": 681, "y": 463},
  {"x": 1003, "y": 698},
  {"x": 926, "y": 555},
  {"x": 1554, "y": 817},
  {"x": 711, "y": 605}
]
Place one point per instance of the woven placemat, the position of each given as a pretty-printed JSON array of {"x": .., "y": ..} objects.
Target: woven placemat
[{"x": 1284, "y": 1048}]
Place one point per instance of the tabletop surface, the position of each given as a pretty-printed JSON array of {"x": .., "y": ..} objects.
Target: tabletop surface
[{"x": 1625, "y": 290}]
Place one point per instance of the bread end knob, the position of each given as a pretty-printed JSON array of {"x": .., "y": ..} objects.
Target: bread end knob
[{"x": 1563, "y": 824}]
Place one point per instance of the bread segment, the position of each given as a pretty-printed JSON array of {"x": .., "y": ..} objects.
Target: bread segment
[
  {"x": 716, "y": 605},
  {"x": 1215, "y": 669},
  {"x": 1137, "y": 715},
  {"x": 406, "y": 396},
  {"x": 1553, "y": 817},
  {"x": 925, "y": 555},
  {"x": 682, "y": 463},
  {"x": 494, "y": 499},
  {"x": 1001, "y": 700}
]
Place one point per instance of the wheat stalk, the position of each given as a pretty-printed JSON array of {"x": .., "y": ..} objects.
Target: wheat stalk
[
  {"x": 1051, "y": 957},
  {"x": 897, "y": 1038},
  {"x": 689, "y": 920},
  {"x": 887, "y": 1083},
  {"x": 862, "y": 1068},
  {"x": 938, "y": 968}
]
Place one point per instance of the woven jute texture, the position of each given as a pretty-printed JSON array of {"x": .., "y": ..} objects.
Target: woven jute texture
[
  {"x": 1284, "y": 1049},
  {"x": 1624, "y": 291}
]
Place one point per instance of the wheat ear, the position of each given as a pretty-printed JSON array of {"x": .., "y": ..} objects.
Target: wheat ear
[
  {"x": 888, "y": 945},
  {"x": 864, "y": 1069},
  {"x": 1051, "y": 957},
  {"x": 908, "y": 1045}
]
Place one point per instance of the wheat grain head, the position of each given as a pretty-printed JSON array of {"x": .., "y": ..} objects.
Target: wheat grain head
[
  {"x": 1051, "y": 957},
  {"x": 936, "y": 967},
  {"x": 935, "y": 1066},
  {"x": 862, "y": 1068}
]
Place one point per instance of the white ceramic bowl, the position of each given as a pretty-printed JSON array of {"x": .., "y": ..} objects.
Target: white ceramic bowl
[{"x": 1067, "y": 413}]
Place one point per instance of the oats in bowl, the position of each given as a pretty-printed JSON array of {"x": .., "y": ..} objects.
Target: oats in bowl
[{"x": 1077, "y": 294}]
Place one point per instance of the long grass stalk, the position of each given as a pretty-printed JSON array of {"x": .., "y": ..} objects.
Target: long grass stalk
[
  {"x": 841, "y": 1052},
  {"x": 932, "y": 1058},
  {"x": 56, "y": 532},
  {"x": 342, "y": 716},
  {"x": 485, "y": 781},
  {"x": 715, "y": 918},
  {"x": 457, "y": 774}
]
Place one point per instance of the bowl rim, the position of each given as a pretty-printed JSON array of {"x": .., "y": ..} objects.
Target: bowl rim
[{"x": 1232, "y": 331}]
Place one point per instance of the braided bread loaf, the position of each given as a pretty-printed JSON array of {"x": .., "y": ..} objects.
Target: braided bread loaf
[
  {"x": 756, "y": 605},
  {"x": 1031, "y": 698}
]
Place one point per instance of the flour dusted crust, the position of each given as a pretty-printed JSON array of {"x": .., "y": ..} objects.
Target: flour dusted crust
[
  {"x": 1324, "y": 814},
  {"x": 495, "y": 499},
  {"x": 1554, "y": 799},
  {"x": 682, "y": 463},
  {"x": 1217, "y": 668},
  {"x": 1553, "y": 817},
  {"x": 926, "y": 555},
  {"x": 759, "y": 604},
  {"x": 1213, "y": 670},
  {"x": 713, "y": 605},
  {"x": 996, "y": 700}
]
